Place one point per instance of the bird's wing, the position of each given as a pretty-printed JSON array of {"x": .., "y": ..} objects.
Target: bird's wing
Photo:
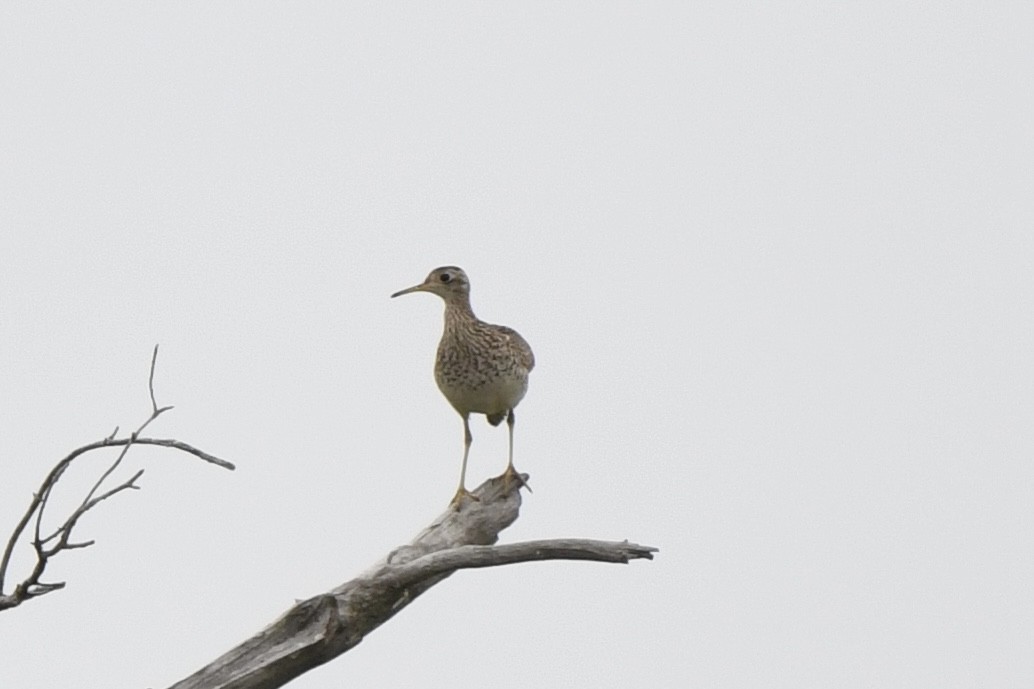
[{"x": 519, "y": 346}]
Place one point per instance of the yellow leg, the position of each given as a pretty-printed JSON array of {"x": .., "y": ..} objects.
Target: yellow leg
[
  {"x": 512, "y": 474},
  {"x": 462, "y": 491}
]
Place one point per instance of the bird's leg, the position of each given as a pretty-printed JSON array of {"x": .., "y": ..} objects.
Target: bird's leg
[
  {"x": 512, "y": 474},
  {"x": 462, "y": 491}
]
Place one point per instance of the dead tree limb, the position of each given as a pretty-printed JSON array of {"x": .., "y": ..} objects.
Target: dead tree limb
[
  {"x": 321, "y": 628},
  {"x": 48, "y": 545}
]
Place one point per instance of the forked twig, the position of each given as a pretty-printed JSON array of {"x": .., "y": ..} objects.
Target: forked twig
[{"x": 48, "y": 546}]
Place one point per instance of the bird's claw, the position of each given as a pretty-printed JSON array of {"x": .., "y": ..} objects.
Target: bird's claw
[
  {"x": 511, "y": 475},
  {"x": 457, "y": 500}
]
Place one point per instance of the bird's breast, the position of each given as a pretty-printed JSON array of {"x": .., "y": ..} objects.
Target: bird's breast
[{"x": 479, "y": 380}]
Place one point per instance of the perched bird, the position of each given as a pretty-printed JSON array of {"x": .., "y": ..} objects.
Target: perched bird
[{"x": 481, "y": 368}]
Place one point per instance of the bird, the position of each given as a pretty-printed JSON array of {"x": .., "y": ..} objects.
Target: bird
[{"x": 480, "y": 368}]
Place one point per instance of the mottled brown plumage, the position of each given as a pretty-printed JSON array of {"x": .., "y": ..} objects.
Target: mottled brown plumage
[{"x": 480, "y": 368}]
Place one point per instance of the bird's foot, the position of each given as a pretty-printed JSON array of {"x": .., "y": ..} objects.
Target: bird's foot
[
  {"x": 461, "y": 495},
  {"x": 511, "y": 475}
]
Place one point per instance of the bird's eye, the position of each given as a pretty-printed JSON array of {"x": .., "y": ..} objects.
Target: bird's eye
[{"x": 445, "y": 277}]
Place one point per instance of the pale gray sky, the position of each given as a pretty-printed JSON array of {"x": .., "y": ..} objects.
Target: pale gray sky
[{"x": 774, "y": 261}]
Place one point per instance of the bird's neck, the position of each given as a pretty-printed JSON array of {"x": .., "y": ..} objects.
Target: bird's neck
[{"x": 458, "y": 313}]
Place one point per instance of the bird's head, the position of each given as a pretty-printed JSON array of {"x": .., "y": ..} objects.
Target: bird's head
[{"x": 448, "y": 282}]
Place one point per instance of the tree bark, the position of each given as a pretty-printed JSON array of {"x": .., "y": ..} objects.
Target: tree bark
[{"x": 321, "y": 628}]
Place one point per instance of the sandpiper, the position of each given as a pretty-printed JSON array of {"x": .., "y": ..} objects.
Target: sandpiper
[{"x": 480, "y": 368}]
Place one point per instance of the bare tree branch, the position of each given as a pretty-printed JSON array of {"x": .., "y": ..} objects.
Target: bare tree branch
[
  {"x": 476, "y": 556},
  {"x": 321, "y": 628},
  {"x": 48, "y": 546}
]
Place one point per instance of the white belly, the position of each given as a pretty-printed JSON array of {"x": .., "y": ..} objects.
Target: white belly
[{"x": 484, "y": 396}]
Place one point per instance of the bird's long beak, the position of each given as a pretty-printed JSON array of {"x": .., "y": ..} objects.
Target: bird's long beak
[{"x": 422, "y": 287}]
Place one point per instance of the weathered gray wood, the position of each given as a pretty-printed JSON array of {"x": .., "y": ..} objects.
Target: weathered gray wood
[{"x": 321, "y": 628}]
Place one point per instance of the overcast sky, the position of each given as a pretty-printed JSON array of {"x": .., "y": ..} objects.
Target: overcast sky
[{"x": 774, "y": 260}]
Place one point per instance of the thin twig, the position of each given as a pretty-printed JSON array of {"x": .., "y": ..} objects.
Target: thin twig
[
  {"x": 50, "y": 545},
  {"x": 65, "y": 530},
  {"x": 155, "y": 412},
  {"x": 150, "y": 382}
]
